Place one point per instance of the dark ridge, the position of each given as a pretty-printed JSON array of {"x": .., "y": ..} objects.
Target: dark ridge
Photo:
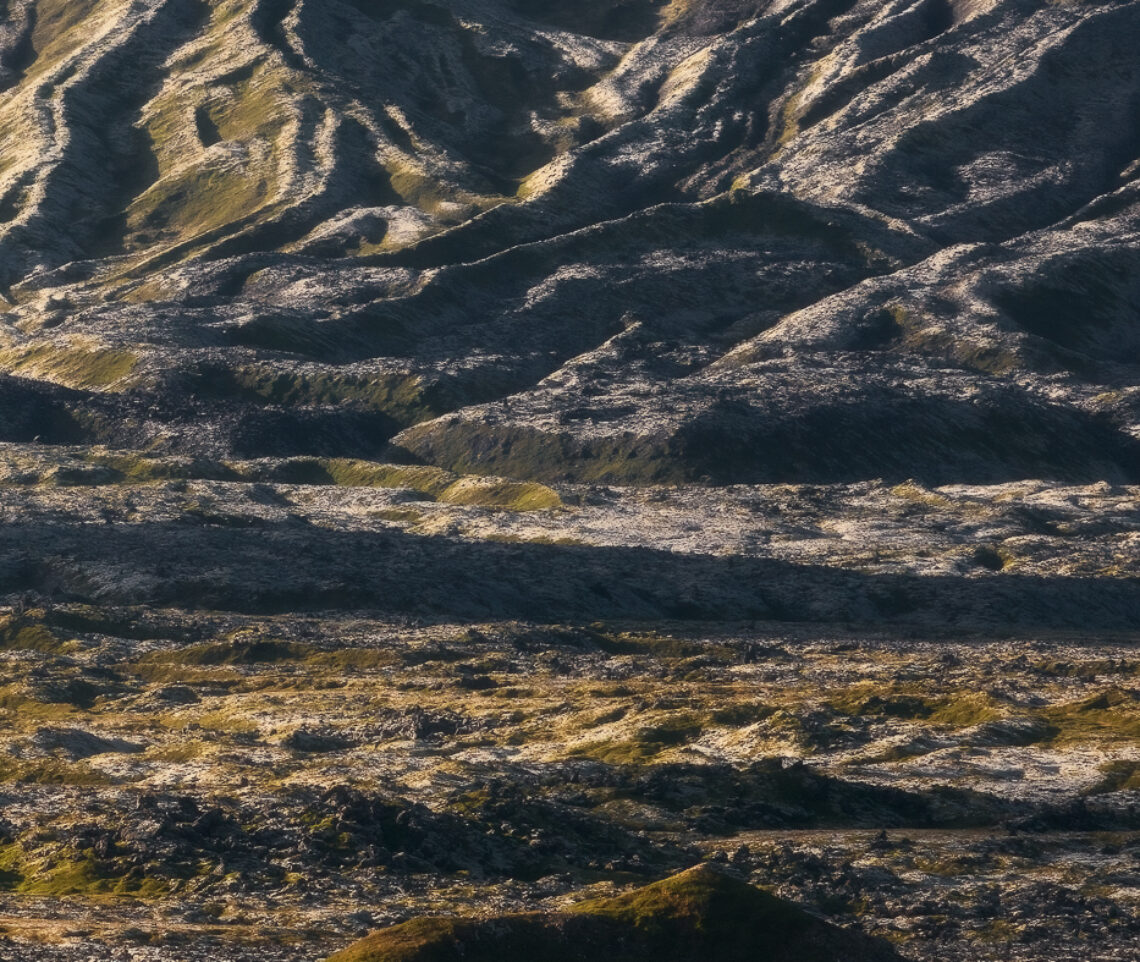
[
  {"x": 625, "y": 20},
  {"x": 700, "y": 914},
  {"x": 397, "y": 134},
  {"x": 436, "y": 14},
  {"x": 719, "y": 16},
  {"x": 357, "y": 179},
  {"x": 17, "y": 58},
  {"x": 33, "y": 411},
  {"x": 367, "y": 183},
  {"x": 988, "y": 440},
  {"x": 843, "y": 91},
  {"x": 13, "y": 200},
  {"x": 1046, "y": 119},
  {"x": 1086, "y": 302},
  {"x": 885, "y": 432},
  {"x": 267, "y": 18},
  {"x": 937, "y": 17},
  {"x": 329, "y": 432}
]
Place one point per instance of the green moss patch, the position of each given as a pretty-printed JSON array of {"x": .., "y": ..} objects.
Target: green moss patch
[
  {"x": 138, "y": 469},
  {"x": 71, "y": 365},
  {"x": 403, "y": 396},
  {"x": 425, "y": 480},
  {"x": 202, "y": 662},
  {"x": 494, "y": 493},
  {"x": 81, "y": 874},
  {"x": 431, "y": 483},
  {"x": 352, "y": 473},
  {"x": 913, "y": 333},
  {"x": 55, "y": 22},
  {"x": 1112, "y": 715},
  {"x": 1119, "y": 776},
  {"x": 666, "y": 732},
  {"x": 51, "y": 771},
  {"x": 957, "y": 710},
  {"x": 198, "y": 200},
  {"x": 519, "y": 451},
  {"x": 356, "y": 659},
  {"x": 237, "y": 652},
  {"x": 26, "y": 633}
]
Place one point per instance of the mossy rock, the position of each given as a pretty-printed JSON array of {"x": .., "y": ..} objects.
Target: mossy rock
[
  {"x": 495, "y": 493},
  {"x": 699, "y": 914},
  {"x": 430, "y": 483}
]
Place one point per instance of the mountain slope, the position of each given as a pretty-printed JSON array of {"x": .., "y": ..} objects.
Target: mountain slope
[{"x": 587, "y": 243}]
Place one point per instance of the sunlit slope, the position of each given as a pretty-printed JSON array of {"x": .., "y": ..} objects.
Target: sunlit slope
[{"x": 629, "y": 242}]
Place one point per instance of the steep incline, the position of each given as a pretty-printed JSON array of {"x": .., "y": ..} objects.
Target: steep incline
[{"x": 727, "y": 241}]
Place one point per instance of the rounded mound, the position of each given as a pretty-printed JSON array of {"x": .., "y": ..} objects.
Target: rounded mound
[{"x": 699, "y": 914}]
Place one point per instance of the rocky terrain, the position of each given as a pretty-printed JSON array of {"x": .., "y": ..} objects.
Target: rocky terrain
[{"x": 477, "y": 457}]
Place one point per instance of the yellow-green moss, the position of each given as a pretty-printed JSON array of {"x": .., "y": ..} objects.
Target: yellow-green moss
[
  {"x": 51, "y": 771},
  {"x": 646, "y": 742},
  {"x": 355, "y": 659},
  {"x": 447, "y": 203},
  {"x": 198, "y": 200},
  {"x": 1112, "y": 715},
  {"x": 740, "y": 715},
  {"x": 240, "y": 651},
  {"x": 924, "y": 338},
  {"x": 956, "y": 710},
  {"x": 229, "y": 722},
  {"x": 400, "y": 515},
  {"x": 402, "y": 396},
  {"x": 258, "y": 107},
  {"x": 138, "y": 469},
  {"x": 230, "y": 662},
  {"x": 59, "y": 29},
  {"x": 88, "y": 876},
  {"x": 72, "y": 365},
  {"x": 1121, "y": 775},
  {"x": 964, "y": 710},
  {"x": 996, "y": 931},
  {"x": 426, "y": 480},
  {"x": 183, "y": 751},
  {"x": 509, "y": 495},
  {"x": 916, "y": 493},
  {"x": 475, "y": 448},
  {"x": 430, "y": 482},
  {"x": 27, "y": 633}
]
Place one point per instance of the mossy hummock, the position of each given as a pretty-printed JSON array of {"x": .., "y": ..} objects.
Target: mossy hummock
[{"x": 700, "y": 914}]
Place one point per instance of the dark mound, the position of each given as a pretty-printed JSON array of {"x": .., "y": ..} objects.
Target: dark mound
[{"x": 699, "y": 914}]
